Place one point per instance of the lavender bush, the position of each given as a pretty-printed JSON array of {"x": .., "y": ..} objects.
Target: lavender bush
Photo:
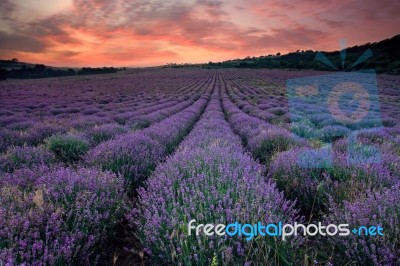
[
  {"x": 68, "y": 148},
  {"x": 312, "y": 176},
  {"x": 102, "y": 133},
  {"x": 304, "y": 130},
  {"x": 374, "y": 209},
  {"x": 60, "y": 216},
  {"x": 264, "y": 140},
  {"x": 268, "y": 142},
  {"x": 9, "y": 138},
  {"x": 331, "y": 133},
  {"x": 133, "y": 155},
  {"x": 19, "y": 157},
  {"x": 40, "y": 131}
]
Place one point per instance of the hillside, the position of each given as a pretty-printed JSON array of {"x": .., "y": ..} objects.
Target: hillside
[
  {"x": 21, "y": 70},
  {"x": 385, "y": 59}
]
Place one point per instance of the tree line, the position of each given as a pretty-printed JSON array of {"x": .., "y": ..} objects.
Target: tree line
[
  {"x": 385, "y": 59},
  {"x": 25, "y": 71}
]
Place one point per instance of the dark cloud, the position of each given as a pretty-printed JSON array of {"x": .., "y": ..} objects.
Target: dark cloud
[
  {"x": 6, "y": 10},
  {"x": 69, "y": 53},
  {"x": 6, "y": 7},
  {"x": 23, "y": 43},
  {"x": 165, "y": 28},
  {"x": 210, "y": 3}
]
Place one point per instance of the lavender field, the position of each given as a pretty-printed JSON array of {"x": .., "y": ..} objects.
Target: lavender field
[{"x": 109, "y": 169}]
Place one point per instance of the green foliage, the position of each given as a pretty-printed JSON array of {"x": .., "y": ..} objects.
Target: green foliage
[
  {"x": 19, "y": 70},
  {"x": 90, "y": 70},
  {"x": 385, "y": 59},
  {"x": 66, "y": 148},
  {"x": 3, "y": 74}
]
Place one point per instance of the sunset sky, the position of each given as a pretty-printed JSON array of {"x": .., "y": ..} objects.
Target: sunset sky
[{"x": 155, "y": 32}]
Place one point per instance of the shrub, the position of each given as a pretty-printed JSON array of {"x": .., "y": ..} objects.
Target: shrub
[
  {"x": 9, "y": 138},
  {"x": 373, "y": 136},
  {"x": 312, "y": 176},
  {"x": 318, "y": 118},
  {"x": 67, "y": 148},
  {"x": 139, "y": 123},
  {"x": 270, "y": 141},
  {"x": 39, "y": 132},
  {"x": 19, "y": 157},
  {"x": 90, "y": 111},
  {"x": 21, "y": 125},
  {"x": 389, "y": 122},
  {"x": 62, "y": 217},
  {"x": 102, "y": 133},
  {"x": 304, "y": 131},
  {"x": 278, "y": 111},
  {"x": 133, "y": 155},
  {"x": 331, "y": 133},
  {"x": 377, "y": 144},
  {"x": 85, "y": 122},
  {"x": 366, "y": 123},
  {"x": 375, "y": 209}
]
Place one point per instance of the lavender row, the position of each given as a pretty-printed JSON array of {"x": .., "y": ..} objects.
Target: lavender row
[
  {"x": 155, "y": 112},
  {"x": 210, "y": 178},
  {"x": 312, "y": 186},
  {"x": 308, "y": 121},
  {"x": 107, "y": 106},
  {"x": 337, "y": 195},
  {"x": 160, "y": 113},
  {"x": 240, "y": 99},
  {"x": 135, "y": 155},
  {"x": 29, "y": 130},
  {"x": 118, "y": 93},
  {"x": 59, "y": 216},
  {"x": 268, "y": 102},
  {"x": 88, "y": 137},
  {"x": 70, "y": 148},
  {"x": 75, "y": 211},
  {"x": 264, "y": 140},
  {"x": 375, "y": 209}
]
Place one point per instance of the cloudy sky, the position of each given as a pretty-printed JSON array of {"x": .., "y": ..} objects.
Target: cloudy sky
[{"x": 154, "y": 32}]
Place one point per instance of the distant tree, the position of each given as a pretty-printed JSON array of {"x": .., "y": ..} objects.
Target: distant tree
[
  {"x": 15, "y": 60},
  {"x": 40, "y": 67},
  {"x": 278, "y": 54},
  {"x": 3, "y": 74},
  {"x": 71, "y": 71}
]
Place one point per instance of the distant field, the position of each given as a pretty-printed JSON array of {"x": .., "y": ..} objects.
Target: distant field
[{"x": 110, "y": 168}]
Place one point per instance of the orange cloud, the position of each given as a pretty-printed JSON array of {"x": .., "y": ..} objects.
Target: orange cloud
[{"x": 144, "y": 33}]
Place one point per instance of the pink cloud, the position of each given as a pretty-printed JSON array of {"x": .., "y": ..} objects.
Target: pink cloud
[{"x": 142, "y": 33}]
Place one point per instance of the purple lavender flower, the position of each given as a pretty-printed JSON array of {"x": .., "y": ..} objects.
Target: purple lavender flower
[
  {"x": 374, "y": 209},
  {"x": 19, "y": 157},
  {"x": 60, "y": 216},
  {"x": 209, "y": 174}
]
